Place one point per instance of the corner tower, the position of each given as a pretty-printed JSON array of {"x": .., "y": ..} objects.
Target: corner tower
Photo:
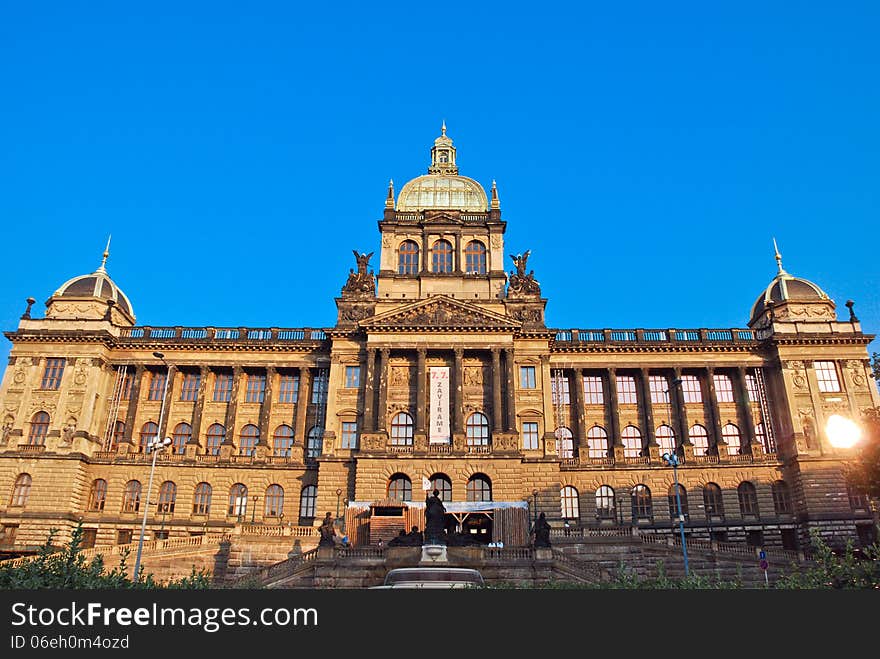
[{"x": 442, "y": 236}]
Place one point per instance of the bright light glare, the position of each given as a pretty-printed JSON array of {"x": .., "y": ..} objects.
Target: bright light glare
[{"x": 842, "y": 432}]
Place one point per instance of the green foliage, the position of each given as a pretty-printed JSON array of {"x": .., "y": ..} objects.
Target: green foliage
[
  {"x": 68, "y": 569},
  {"x": 835, "y": 571},
  {"x": 626, "y": 579},
  {"x": 863, "y": 472}
]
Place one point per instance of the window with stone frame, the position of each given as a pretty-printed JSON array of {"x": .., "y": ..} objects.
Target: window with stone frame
[
  {"x": 223, "y": 387},
  {"x": 349, "y": 436},
  {"x": 314, "y": 442},
  {"x": 256, "y": 388},
  {"x": 97, "y": 495},
  {"x": 443, "y": 484},
  {"x": 21, "y": 490},
  {"x": 665, "y": 438},
  {"x": 566, "y": 442},
  {"x": 479, "y": 488},
  {"x": 530, "y": 435},
  {"x": 248, "y": 439},
  {"x": 238, "y": 501},
  {"x": 673, "y": 501},
  {"x": 352, "y": 377},
  {"x": 559, "y": 388},
  {"x": 157, "y": 385},
  {"x": 713, "y": 502},
  {"x": 288, "y": 388},
  {"x": 527, "y": 377},
  {"x": 189, "y": 390},
  {"x": 39, "y": 429},
  {"x": 659, "y": 386},
  {"x": 52, "y": 373},
  {"x": 730, "y": 434},
  {"x": 699, "y": 437},
  {"x": 118, "y": 435},
  {"x": 180, "y": 437},
  {"x": 626, "y": 390},
  {"x": 748, "y": 499},
  {"x": 781, "y": 497},
  {"x": 307, "y": 501},
  {"x": 131, "y": 497},
  {"x": 400, "y": 488},
  {"x": 167, "y": 497},
  {"x": 214, "y": 438},
  {"x": 149, "y": 433},
  {"x": 690, "y": 389},
  {"x": 594, "y": 390},
  {"x": 723, "y": 388},
  {"x": 570, "y": 500},
  {"x": 606, "y": 507},
  {"x": 274, "y": 501},
  {"x": 402, "y": 428},
  {"x": 319, "y": 386},
  {"x": 408, "y": 258},
  {"x": 826, "y": 376},
  {"x": 441, "y": 257},
  {"x": 632, "y": 442},
  {"x": 477, "y": 429},
  {"x": 642, "y": 506},
  {"x": 202, "y": 499},
  {"x": 597, "y": 442},
  {"x": 282, "y": 440},
  {"x": 475, "y": 258}
]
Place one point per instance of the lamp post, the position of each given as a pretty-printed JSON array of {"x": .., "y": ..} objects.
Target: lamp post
[
  {"x": 155, "y": 445},
  {"x": 534, "y": 508},
  {"x": 254, "y": 508},
  {"x": 338, "y": 495},
  {"x": 672, "y": 460}
]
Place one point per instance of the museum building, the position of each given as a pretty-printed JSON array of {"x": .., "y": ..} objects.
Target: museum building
[{"x": 439, "y": 373}]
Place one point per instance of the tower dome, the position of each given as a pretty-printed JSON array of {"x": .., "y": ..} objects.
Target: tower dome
[
  {"x": 88, "y": 297},
  {"x": 442, "y": 187},
  {"x": 793, "y": 298}
]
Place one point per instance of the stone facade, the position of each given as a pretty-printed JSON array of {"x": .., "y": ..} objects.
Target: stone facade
[{"x": 329, "y": 416}]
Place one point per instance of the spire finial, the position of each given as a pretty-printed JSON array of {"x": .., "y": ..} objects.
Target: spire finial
[
  {"x": 778, "y": 258},
  {"x": 389, "y": 200},
  {"x": 443, "y": 128},
  {"x": 102, "y": 268},
  {"x": 494, "y": 203}
]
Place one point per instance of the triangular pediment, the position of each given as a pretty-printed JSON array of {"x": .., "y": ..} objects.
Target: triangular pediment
[{"x": 442, "y": 313}]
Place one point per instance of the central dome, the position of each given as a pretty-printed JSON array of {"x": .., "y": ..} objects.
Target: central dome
[{"x": 442, "y": 187}]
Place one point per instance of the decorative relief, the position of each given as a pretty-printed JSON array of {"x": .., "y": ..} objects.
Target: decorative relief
[
  {"x": 355, "y": 313},
  {"x": 80, "y": 375},
  {"x": 528, "y": 315},
  {"x": 797, "y": 311},
  {"x": 858, "y": 380},
  {"x": 799, "y": 381},
  {"x": 19, "y": 376},
  {"x": 793, "y": 366},
  {"x": 473, "y": 376},
  {"x": 506, "y": 442},
  {"x": 386, "y": 240},
  {"x": 495, "y": 241},
  {"x": 400, "y": 376},
  {"x": 394, "y": 408},
  {"x": 6, "y": 428},
  {"x": 372, "y": 443},
  {"x": 442, "y": 314},
  {"x": 43, "y": 403},
  {"x": 68, "y": 430}
]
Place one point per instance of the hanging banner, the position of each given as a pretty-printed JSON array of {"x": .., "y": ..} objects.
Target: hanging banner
[{"x": 439, "y": 405}]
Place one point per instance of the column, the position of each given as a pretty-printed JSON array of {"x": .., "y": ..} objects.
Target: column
[
  {"x": 744, "y": 407},
  {"x": 612, "y": 407},
  {"x": 266, "y": 407},
  {"x": 421, "y": 393},
  {"x": 497, "y": 411},
  {"x": 232, "y": 405},
  {"x": 302, "y": 403},
  {"x": 580, "y": 406},
  {"x": 425, "y": 266},
  {"x": 382, "y": 411},
  {"x": 713, "y": 409},
  {"x": 204, "y": 372},
  {"x": 370, "y": 391},
  {"x": 456, "y": 264},
  {"x": 131, "y": 412},
  {"x": 647, "y": 407},
  {"x": 676, "y": 399},
  {"x": 169, "y": 396},
  {"x": 511, "y": 388},
  {"x": 458, "y": 402}
]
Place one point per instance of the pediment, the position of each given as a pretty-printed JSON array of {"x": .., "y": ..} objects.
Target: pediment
[{"x": 441, "y": 313}]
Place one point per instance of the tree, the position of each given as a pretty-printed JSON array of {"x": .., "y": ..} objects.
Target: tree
[{"x": 863, "y": 472}]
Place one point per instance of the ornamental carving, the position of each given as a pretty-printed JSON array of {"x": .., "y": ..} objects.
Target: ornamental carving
[
  {"x": 858, "y": 380},
  {"x": 19, "y": 376},
  {"x": 527, "y": 315},
  {"x": 400, "y": 376},
  {"x": 5, "y": 429},
  {"x": 473, "y": 376},
  {"x": 796, "y": 311},
  {"x": 794, "y": 366},
  {"x": 440, "y": 315},
  {"x": 506, "y": 442},
  {"x": 355, "y": 313},
  {"x": 799, "y": 381},
  {"x": 360, "y": 282},
  {"x": 519, "y": 283},
  {"x": 80, "y": 376},
  {"x": 43, "y": 404},
  {"x": 372, "y": 443},
  {"x": 495, "y": 241},
  {"x": 68, "y": 430}
]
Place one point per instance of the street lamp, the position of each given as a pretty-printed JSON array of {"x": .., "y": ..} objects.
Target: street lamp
[
  {"x": 534, "y": 508},
  {"x": 672, "y": 460},
  {"x": 338, "y": 494},
  {"x": 254, "y": 508},
  {"x": 155, "y": 445}
]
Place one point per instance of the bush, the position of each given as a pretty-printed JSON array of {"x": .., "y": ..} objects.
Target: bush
[{"x": 834, "y": 570}]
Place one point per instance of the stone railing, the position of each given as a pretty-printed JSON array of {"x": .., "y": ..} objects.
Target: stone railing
[
  {"x": 249, "y": 335},
  {"x": 276, "y": 530},
  {"x": 508, "y": 553},
  {"x": 574, "y": 337},
  {"x": 278, "y": 570}
]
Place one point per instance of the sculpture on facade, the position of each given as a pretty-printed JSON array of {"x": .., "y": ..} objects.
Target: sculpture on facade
[
  {"x": 542, "y": 531},
  {"x": 361, "y": 281},
  {"x": 328, "y": 532},
  {"x": 520, "y": 283},
  {"x": 435, "y": 519}
]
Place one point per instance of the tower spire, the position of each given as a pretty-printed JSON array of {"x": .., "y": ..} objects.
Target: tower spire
[
  {"x": 102, "y": 268},
  {"x": 778, "y": 258},
  {"x": 389, "y": 200},
  {"x": 494, "y": 203},
  {"x": 443, "y": 128}
]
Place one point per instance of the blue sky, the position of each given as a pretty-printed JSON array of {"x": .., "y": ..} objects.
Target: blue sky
[{"x": 646, "y": 154}]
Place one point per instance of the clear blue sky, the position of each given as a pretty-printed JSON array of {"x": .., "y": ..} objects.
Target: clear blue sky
[{"x": 645, "y": 152}]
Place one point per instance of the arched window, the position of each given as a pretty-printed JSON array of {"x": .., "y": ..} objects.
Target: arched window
[
  {"x": 315, "y": 442},
  {"x": 443, "y": 485},
  {"x": 673, "y": 503},
  {"x": 282, "y": 440},
  {"x": 748, "y": 499},
  {"x": 781, "y": 497},
  {"x": 202, "y": 499},
  {"x": 632, "y": 442},
  {"x": 131, "y": 497},
  {"x": 475, "y": 258},
  {"x": 441, "y": 256},
  {"x": 307, "y": 499},
  {"x": 216, "y": 435},
  {"x": 477, "y": 428},
  {"x": 180, "y": 437},
  {"x": 566, "y": 443},
  {"x": 642, "y": 507},
  {"x": 400, "y": 488},
  {"x": 699, "y": 438},
  {"x": 712, "y": 501},
  {"x": 167, "y": 497},
  {"x": 238, "y": 494},
  {"x": 605, "y": 505},
  {"x": 118, "y": 435},
  {"x": 274, "y": 501},
  {"x": 571, "y": 509},
  {"x": 97, "y": 495},
  {"x": 402, "y": 429},
  {"x": 666, "y": 439},
  {"x": 248, "y": 439},
  {"x": 479, "y": 488},
  {"x": 408, "y": 258},
  {"x": 21, "y": 490},
  {"x": 597, "y": 442},
  {"x": 39, "y": 429},
  {"x": 149, "y": 432},
  {"x": 730, "y": 434}
]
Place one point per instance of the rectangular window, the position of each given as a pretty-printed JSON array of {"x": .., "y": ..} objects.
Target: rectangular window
[
  {"x": 222, "y": 387},
  {"x": 723, "y": 388},
  {"x": 690, "y": 388},
  {"x": 752, "y": 387},
  {"x": 352, "y": 377},
  {"x": 349, "y": 434},
  {"x": 527, "y": 377},
  {"x": 319, "y": 387},
  {"x": 190, "y": 388},
  {"x": 562, "y": 396},
  {"x": 157, "y": 386},
  {"x": 626, "y": 390},
  {"x": 530, "y": 435},
  {"x": 593, "y": 394},
  {"x": 826, "y": 374},
  {"x": 288, "y": 390},
  {"x": 127, "y": 382},
  {"x": 52, "y": 374},
  {"x": 256, "y": 388},
  {"x": 659, "y": 386}
]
